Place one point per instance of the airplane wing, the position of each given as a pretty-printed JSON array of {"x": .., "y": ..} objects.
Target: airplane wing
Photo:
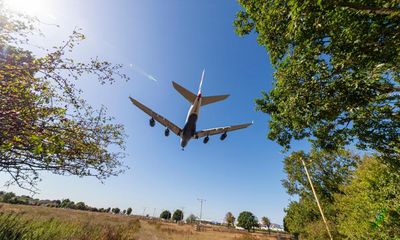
[
  {"x": 213, "y": 131},
  {"x": 165, "y": 122}
]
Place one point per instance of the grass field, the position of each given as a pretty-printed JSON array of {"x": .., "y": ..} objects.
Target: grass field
[{"x": 34, "y": 222}]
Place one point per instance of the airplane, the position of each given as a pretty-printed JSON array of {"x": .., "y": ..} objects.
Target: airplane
[{"x": 189, "y": 130}]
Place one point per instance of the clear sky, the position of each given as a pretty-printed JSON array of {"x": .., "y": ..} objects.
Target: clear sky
[{"x": 173, "y": 41}]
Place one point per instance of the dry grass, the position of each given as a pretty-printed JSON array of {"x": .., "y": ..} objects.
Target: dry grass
[{"x": 75, "y": 224}]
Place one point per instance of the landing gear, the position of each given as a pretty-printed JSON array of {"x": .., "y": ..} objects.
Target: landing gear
[
  {"x": 206, "y": 139},
  {"x": 166, "y": 132},
  {"x": 152, "y": 122},
  {"x": 223, "y": 136}
]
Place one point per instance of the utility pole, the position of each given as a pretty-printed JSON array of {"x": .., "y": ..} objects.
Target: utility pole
[
  {"x": 201, "y": 207},
  {"x": 316, "y": 199},
  {"x": 154, "y": 212}
]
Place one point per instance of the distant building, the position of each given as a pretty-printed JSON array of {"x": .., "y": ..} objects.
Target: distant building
[
  {"x": 277, "y": 227},
  {"x": 239, "y": 228},
  {"x": 273, "y": 227}
]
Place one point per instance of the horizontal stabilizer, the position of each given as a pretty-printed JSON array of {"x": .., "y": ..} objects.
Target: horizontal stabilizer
[
  {"x": 184, "y": 92},
  {"x": 212, "y": 99}
]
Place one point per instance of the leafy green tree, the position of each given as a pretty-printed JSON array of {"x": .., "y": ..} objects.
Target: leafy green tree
[
  {"x": 93, "y": 209},
  {"x": 80, "y": 206},
  {"x": 247, "y": 220},
  {"x": 265, "y": 221},
  {"x": 337, "y": 79},
  {"x": 191, "y": 219},
  {"x": 45, "y": 124},
  {"x": 165, "y": 215},
  {"x": 116, "y": 210},
  {"x": 178, "y": 215},
  {"x": 328, "y": 171},
  {"x": 370, "y": 205},
  {"x": 57, "y": 203},
  {"x": 66, "y": 203},
  {"x": 230, "y": 219},
  {"x": 301, "y": 216},
  {"x": 8, "y": 197},
  {"x": 129, "y": 211}
]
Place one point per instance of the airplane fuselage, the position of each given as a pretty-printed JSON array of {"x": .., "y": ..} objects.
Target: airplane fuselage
[{"x": 189, "y": 129}]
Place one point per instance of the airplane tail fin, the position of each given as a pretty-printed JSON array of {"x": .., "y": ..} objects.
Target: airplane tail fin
[
  {"x": 201, "y": 81},
  {"x": 184, "y": 92},
  {"x": 191, "y": 97},
  {"x": 213, "y": 99}
]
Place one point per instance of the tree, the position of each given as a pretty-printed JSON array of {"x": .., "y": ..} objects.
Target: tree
[
  {"x": 45, "y": 124},
  {"x": 178, "y": 215},
  {"x": 191, "y": 219},
  {"x": 337, "y": 79},
  {"x": 303, "y": 219},
  {"x": 247, "y": 220},
  {"x": 8, "y": 197},
  {"x": 265, "y": 221},
  {"x": 129, "y": 211},
  {"x": 66, "y": 203},
  {"x": 116, "y": 210},
  {"x": 80, "y": 206},
  {"x": 165, "y": 215},
  {"x": 230, "y": 219},
  {"x": 370, "y": 205},
  {"x": 328, "y": 171},
  {"x": 123, "y": 212}
]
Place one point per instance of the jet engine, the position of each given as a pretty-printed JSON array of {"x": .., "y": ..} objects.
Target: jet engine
[
  {"x": 152, "y": 122},
  {"x": 206, "y": 139},
  {"x": 166, "y": 132},
  {"x": 223, "y": 136}
]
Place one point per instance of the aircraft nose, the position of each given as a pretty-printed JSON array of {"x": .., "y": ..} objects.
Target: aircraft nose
[{"x": 183, "y": 143}]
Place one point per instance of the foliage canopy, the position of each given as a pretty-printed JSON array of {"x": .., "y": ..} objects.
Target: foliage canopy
[
  {"x": 328, "y": 171},
  {"x": 370, "y": 205},
  {"x": 178, "y": 215},
  {"x": 337, "y": 79},
  {"x": 247, "y": 220},
  {"x": 230, "y": 219},
  {"x": 45, "y": 125},
  {"x": 129, "y": 211},
  {"x": 165, "y": 215}
]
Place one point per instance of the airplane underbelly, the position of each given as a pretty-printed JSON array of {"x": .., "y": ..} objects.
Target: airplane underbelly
[{"x": 190, "y": 127}]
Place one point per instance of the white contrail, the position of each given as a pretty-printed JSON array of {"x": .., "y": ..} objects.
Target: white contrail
[{"x": 142, "y": 72}]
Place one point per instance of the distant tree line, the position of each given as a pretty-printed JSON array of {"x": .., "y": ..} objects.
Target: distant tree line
[
  {"x": 246, "y": 220},
  {"x": 12, "y": 198}
]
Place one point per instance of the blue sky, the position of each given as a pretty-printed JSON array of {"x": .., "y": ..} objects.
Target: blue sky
[{"x": 173, "y": 41}]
